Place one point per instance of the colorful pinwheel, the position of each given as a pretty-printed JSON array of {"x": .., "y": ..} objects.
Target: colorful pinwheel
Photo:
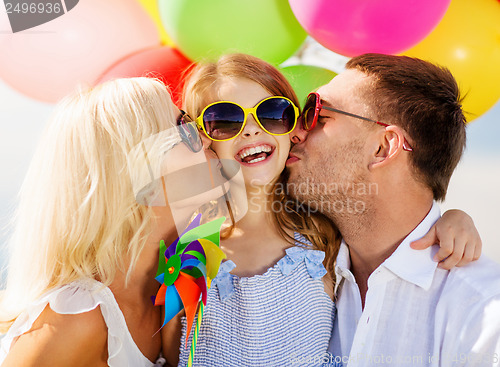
[{"x": 185, "y": 270}]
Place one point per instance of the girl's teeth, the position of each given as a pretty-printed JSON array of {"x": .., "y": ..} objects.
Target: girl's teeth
[
  {"x": 254, "y": 150},
  {"x": 257, "y": 160}
]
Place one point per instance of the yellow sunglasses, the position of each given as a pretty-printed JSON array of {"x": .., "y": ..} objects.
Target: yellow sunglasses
[{"x": 225, "y": 120}]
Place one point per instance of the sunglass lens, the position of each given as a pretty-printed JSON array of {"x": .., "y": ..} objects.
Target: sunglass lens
[
  {"x": 223, "y": 120},
  {"x": 191, "y": 137},
  {"x": 308, "y": 113},
  {"x": 277, "y": 115}
]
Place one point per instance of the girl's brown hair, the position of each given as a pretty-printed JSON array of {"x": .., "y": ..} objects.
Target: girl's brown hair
[{"x": 202, "y": 88}]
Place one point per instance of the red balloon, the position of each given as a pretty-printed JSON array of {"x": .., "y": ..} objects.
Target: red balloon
[{"x": 162, "y": 62}]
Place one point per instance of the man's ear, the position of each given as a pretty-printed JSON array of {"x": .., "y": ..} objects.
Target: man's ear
[{"x": 390, "y": 145}]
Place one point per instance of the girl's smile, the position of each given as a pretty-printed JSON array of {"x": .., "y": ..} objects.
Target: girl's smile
[{"x": 252, "y": 154}]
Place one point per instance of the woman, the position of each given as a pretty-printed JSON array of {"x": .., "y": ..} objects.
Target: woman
[
  {"x": 272, "y": 302},
  {"x": 85, "y": 251}
]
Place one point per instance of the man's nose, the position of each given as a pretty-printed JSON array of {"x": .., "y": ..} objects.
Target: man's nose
[{"x": 298, "y": 135}]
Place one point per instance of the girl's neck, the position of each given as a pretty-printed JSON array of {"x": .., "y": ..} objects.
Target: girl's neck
[
  {"x": 255, "y": 244},
  {"x": 259, "y": 214}
]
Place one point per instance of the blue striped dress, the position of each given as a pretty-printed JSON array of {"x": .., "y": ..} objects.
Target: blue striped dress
[{"x": 280, "y": 318}]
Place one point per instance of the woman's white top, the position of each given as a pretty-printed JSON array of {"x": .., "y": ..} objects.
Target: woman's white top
[{"x": 79, "y": 297}]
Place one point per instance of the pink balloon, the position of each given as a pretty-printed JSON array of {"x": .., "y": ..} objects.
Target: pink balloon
[
  {"x": 353, "y": 27},
  {"x": 48, "y": 61}
]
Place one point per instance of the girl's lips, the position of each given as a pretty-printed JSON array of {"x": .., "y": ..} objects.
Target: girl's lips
[
  {"x": 257, "y": 163},
  {"x": 253, "y": 154}
]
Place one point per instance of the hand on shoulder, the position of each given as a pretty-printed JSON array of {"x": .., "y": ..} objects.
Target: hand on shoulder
[{"x": 61, "y": 340}]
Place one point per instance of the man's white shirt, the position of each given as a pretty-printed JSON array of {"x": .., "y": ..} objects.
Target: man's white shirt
[{"x": 417, "y": 314}]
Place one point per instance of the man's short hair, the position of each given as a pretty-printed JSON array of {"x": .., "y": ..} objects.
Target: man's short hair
[{"x": 423, "y": 99}]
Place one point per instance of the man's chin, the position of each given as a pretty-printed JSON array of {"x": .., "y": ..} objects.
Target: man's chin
[
  {"x": 292, "y": 169},
  {"x": 292, "y": 176}
]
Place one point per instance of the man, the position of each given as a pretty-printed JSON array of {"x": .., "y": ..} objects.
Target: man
[{"x": 389, "y": 133}]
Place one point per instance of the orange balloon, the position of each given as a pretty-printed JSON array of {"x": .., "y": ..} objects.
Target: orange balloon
[{"x": 467, "y": 41}]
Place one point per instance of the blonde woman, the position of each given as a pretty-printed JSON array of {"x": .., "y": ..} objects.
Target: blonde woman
[{"x": 85, "y": 252}]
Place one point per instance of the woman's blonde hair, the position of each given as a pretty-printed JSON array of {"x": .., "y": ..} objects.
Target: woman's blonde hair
[
  {"x": 78, "y": 216},
  {"x": 202, "y": 87}
]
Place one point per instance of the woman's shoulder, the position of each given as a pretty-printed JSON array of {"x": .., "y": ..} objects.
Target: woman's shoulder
[
  {"x": 67, "y": 318},
  {"x": 56, "y": 338},
  {"x": 77, "y": 297}
]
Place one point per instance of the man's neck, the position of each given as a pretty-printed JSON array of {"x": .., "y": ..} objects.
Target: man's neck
[{"x": 373, "y": 236}]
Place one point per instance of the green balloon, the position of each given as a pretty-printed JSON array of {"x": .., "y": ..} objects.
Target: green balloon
[
  {"x": 306, "y": 79},
  {"x": 208, "y": 29}
]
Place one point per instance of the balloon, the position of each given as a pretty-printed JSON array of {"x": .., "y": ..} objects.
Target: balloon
[
  {"x": 48, "y": 61},
  {"x": 306, "y": 78},
  {"x": 151, "y": 7},
  {"x": 353, "y": 27},
  {"x": 208, "y": 29},
  {"x": 467, "y": 41},
  {"x": 162, "y": 62}
]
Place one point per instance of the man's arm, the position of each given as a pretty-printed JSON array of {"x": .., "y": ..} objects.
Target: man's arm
[{"x": 478, "y": 341}]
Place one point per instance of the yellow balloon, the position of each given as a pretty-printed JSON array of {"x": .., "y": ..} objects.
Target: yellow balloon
[
  {"x": 151, "y": 7},
  {"x": 467, "y": 41}
]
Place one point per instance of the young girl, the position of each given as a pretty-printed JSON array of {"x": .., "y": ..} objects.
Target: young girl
[
  {"x": 84, "y": 251},
  {"x": 272, "y": 301}
]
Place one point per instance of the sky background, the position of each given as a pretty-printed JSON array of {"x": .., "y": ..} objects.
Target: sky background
[{"x": 474, "y": 186}]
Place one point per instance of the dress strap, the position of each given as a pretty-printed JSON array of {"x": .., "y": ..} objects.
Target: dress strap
[
  {"x": 313, "y": 260},
  {"x": 224, "y": 280}
]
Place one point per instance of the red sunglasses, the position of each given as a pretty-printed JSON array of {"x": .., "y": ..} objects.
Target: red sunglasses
[{"x": 313, "y": 107}]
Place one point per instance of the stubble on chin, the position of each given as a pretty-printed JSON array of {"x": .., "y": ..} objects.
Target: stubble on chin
[{"x": 333, "y": 183}]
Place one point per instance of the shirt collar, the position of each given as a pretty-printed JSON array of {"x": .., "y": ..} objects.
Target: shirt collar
[
  {"x": 343, "y": 266},
  {"x": 414, "y": 266}
]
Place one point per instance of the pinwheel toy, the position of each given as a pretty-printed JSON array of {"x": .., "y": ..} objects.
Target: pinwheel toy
[{"x": 185, "y": 270}]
